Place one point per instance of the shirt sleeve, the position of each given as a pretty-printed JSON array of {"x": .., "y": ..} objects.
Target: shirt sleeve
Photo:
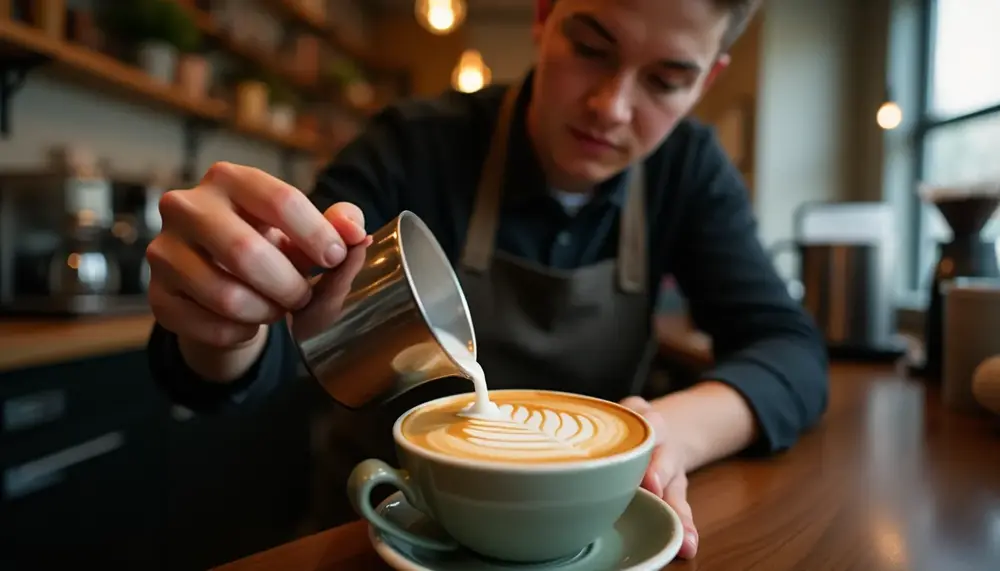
[
  {"x": 766, "y": 346},
  {"x": 368, "y": 173}
]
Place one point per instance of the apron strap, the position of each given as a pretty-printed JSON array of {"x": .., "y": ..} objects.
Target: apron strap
[
  {"x": 480, "y": 239},
  {"x": 632, "y": 259}
]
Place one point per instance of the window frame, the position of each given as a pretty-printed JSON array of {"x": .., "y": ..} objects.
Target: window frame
[{"x": 927, "y": 123}]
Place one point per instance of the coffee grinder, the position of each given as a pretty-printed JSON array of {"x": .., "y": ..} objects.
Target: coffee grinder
[{"x": 966, "y": 255}]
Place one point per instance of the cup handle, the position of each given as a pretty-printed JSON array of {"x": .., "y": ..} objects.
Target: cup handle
[{"x": 370, "y": 473}]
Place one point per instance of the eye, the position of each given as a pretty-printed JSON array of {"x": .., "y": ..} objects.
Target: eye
[
  {"x": 662, "y": 85},
  {"x": 583, "y": 50}
]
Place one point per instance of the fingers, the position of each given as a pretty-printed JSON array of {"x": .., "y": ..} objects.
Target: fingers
[
  {"x": 652, "y": 480},
  {"x": 203, "y": 218},
  {"x": 302, "y": 262},
  {"x": 638, "y": 404},
  {"x": 281, "y": 205},
  {"x": 349, "y": 221},
  {"x": 675, "y": 495},
  {"x": 663, "y": 480},
  {"x": 353, "y": 232},
  {"x": 180, "y": 268},
  {"x": 187, "y": 319}
]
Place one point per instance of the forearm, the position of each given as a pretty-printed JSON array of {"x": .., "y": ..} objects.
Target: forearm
[
  {"x": 708, "y": 421},
  {"x": 222, "y": 365}
]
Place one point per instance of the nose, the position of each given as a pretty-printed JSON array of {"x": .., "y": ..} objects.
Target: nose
[{"x": 611, "y": 102}]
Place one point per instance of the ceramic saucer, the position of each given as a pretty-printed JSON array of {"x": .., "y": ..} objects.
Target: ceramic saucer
[{"x": 646, "y": 538}]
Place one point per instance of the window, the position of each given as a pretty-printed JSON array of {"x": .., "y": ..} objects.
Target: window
[{"x": 958, "y": 141}]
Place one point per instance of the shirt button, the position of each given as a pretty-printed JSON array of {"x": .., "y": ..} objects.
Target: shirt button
[{"x": 564, "y": 239}]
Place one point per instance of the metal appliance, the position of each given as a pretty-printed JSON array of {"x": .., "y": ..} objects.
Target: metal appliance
[
  {"x": 74, "y": 243},
  {"x": 966, "y": 211},
  {"x": 846, "y": 265}
]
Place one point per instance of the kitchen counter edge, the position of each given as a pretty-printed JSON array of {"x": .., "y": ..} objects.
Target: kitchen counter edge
[{"x": 26, "y": 343}]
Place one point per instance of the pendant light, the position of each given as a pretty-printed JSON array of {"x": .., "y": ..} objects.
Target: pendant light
[
  {"x": 440, "y": 17},
  {"x": 889, "y": 115},
  {"x": 471, "y": 73}
]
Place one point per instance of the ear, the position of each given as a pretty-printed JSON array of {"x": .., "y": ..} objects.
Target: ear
[
  {"x": 721, "y": 63},
  {"x": 542, "y": 10}
]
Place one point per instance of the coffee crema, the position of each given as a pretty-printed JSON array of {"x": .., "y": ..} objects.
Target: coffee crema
[{"x": 532, "y": 427}]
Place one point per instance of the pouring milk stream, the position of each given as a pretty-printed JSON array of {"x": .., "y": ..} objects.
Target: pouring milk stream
[{"x": 466, "y": 360}]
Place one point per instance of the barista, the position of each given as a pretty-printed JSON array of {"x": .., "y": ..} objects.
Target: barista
[{"x": 562, "y": 200}]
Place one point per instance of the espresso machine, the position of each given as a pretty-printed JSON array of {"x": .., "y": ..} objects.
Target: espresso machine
[
  {"x": 846, "y": 265},
  {"x": 73, "y": 242}
]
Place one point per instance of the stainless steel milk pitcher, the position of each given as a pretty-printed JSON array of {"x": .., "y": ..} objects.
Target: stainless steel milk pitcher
[{"x": 371, "y": 331}]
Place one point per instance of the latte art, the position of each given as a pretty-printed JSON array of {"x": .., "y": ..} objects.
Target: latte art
[
  {"x": 519, "y": 428},
  {"x": 531, "y": 427}
]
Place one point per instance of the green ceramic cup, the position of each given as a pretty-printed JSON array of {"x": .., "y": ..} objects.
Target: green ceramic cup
[{"x": 517, "y": 513}]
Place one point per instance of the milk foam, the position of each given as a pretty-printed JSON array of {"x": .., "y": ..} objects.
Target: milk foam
[
  {"x": 531, "y": 427},
  {"x": 482, "y": 407}
]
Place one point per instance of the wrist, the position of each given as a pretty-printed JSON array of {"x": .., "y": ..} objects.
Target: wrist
[
  {"x": 222, "y": 365},
  {"x": 705, "y": 423},
  {"x": 669, "y": 429},
  {"x": 673, "y": 432}
]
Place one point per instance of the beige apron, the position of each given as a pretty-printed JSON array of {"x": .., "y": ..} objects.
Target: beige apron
[{"x": 584, "y": 331}]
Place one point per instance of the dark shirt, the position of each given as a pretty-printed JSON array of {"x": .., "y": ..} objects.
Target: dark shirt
[{"x": 425, "y": 156}]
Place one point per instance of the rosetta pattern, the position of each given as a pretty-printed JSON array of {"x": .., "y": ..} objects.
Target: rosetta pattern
[{"x": 535, "y": 432}]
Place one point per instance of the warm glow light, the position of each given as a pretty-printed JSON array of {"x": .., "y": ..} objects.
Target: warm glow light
[
  {"x": 471, "y": 73},
  {"x": 440, "y": 16},
  {"x": 889, "y": 115}
]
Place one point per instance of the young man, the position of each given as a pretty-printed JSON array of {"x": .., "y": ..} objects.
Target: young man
[{"x": 598, "y": 186}]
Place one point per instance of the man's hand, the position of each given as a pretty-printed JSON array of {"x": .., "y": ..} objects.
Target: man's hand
[
  {"x": 666, "y": 476},
  {"x": 230, "y": 260}
]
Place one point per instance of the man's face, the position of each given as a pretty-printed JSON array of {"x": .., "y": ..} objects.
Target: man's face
[{"x": 614, "y": 77}]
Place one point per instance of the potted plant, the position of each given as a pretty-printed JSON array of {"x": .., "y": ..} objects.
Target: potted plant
[
  {"x": 160, "y": 30},
  {"x": 251, "y": 97},
  {"x": 284, "y": 104}
]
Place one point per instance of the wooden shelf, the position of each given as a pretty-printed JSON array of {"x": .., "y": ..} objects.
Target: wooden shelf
[
  {"x": 288, "y": 140},
  {"x": 249, "y": 53},
  {"x": 88, "y": 67},
  {"x": 317, "y": 23},
  {"x": 102, "y": 72},
  {"x": 311, "y": 88}
]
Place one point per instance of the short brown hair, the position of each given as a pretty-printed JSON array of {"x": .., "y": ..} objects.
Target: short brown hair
[{"x": 741, "y": 12}]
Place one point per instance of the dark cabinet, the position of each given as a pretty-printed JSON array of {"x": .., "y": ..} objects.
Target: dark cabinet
[
  {"x": 81, "y": 459},
  {"x": 97, "y": 468}
]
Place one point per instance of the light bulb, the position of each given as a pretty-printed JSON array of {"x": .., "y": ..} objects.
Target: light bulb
[
  {"x": 889, "y": 115},
  {"x": 440, "y": 17},
  {"x": 471, "y": 73},
  {"x": 470, "y": 80}
]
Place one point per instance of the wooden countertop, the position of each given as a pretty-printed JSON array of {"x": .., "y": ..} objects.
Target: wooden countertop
[
  {"x": 36, "y": 342},
  {"x": 890, "y": 480},
  {"x": 29, "y": 343}
]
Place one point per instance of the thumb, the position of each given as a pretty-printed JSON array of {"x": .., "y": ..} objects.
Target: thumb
[
  {"x": 652, "y": 480},
  {"x": 675, "y": 495},
  {"x": 349, "y": 221}
]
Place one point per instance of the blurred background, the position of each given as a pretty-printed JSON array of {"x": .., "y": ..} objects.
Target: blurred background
[{"x": 852, "y": 122}]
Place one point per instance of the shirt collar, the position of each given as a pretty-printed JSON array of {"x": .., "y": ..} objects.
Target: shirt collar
[{"x": 524, "y": 179}]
